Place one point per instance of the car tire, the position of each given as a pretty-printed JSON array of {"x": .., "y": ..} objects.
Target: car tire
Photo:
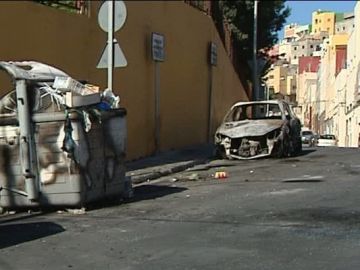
[
  {"x": 298, "y": 147},
  {"x": 220, "y": 152},
  {"x": 282, "y": 147},
  {"x": 279, "y": 149}
]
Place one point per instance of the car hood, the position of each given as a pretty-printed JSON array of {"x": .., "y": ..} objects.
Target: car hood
[{"x": 248, "y": 128}]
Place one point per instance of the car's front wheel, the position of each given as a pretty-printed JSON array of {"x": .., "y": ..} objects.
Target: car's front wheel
[
  {"x": 298, "y": 146},
  {"x": 282, "y": 146},
  {"x": 220, "y": 152}
]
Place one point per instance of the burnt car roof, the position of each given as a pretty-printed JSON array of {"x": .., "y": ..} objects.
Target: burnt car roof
[{"x": 274, "y": 101}]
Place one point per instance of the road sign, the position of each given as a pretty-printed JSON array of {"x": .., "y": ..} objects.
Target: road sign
[
  {"x": 119, "y": 15},
  {"x": 213, "y": 54},
  {"x": 119, "y": 57},
  {"x": 158, "y": 47}
]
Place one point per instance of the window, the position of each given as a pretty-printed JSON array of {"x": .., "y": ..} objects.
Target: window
[
  {"x": 295, "y": 48},
  {"x": 319, "y": 21},
  {"x": 303, "y": 47},
  {"x": 328, "y": 29},
  {"x": 254, "y": 112},
  {"x": 271, "y": 76},
  {"x": 344, "y": 28},
  {"x": 311, "y": 46},
  {"x": 295, "y": 57},
  {"x": 337, "y": 29},
  {"x": 328, "y": 19},
  {"x": 316, "y": 21}
]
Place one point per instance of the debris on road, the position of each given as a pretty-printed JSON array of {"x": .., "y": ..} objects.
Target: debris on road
[
  {"x": 194, "y": 176},
  {"x": 80, "y": 211},
  {"x": 221, "y": 175}
]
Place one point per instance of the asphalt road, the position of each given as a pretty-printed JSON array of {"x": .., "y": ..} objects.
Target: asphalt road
[{"x": 296, "y": 213}]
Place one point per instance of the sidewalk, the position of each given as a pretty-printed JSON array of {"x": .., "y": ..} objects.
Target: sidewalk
[{"x": 166, "y": 163}]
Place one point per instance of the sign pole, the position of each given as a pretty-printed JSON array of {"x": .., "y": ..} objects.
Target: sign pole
[
  {"x": 110, "y": 43},
  {"x": 212, "y": 63},
  {"x": 158, "y": 55},
  {"x": 210, "y": 113},
  {"x": 157, "y": 107}
]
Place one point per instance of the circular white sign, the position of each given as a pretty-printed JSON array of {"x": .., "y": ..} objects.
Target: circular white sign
[{"x": 119, "y": 15}]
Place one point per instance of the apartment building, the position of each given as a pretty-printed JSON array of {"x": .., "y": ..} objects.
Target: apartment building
[
  {"x": 306, "y": 46},
  {"x": 344, "y": 23},
  {"x": 281, "y": 81},
  {"x": 323, "y": 21},
  {"x": 334, "y": 58},
  {"x": 306, "y": 91},
  {"x": 352, "y": 85}
]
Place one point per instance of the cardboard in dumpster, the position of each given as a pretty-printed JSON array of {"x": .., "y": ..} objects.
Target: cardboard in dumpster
[
  {"x": 67, "y": 84},
  {"x": 77, "y": 94},
  {"x": 74, "y": 100}
]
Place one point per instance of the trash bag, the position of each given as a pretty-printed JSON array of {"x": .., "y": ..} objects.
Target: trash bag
[
  {"x": 68, "y": 142},
  {"x": 109, "y": 98}
]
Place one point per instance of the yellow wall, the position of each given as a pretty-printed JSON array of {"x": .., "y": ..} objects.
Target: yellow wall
[
  {"x": 74, "y": 43},
  {"x": 323, "y": 21},
  {"x": 277, "y": 79}
]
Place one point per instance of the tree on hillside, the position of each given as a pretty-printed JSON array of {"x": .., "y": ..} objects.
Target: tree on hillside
[{"x": 239, "y": 14}]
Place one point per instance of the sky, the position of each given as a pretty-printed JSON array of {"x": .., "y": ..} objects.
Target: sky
[{"x": 301, "y": 10}]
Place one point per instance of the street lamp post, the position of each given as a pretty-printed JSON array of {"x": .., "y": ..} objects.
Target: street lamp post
[
  {"x": 255, "y": 71},
  {"x": 267, "y": 97}
]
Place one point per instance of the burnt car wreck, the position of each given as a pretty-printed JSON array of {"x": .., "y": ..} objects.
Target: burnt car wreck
[{"x": 259, "y": 129}]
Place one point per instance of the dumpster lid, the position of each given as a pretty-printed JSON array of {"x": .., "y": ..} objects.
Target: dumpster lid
[{"x": 31, "y": 70}]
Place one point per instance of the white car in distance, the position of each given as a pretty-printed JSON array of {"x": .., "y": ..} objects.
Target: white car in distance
[{"x": 327, "y": 140}]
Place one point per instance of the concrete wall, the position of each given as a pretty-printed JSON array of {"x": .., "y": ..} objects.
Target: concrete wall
[{"x": 74, "y": 43}]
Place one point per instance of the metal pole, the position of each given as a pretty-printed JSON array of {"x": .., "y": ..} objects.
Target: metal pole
[
  {"x": 157, "y": 107},
  {"x": 255, "y": 71},
  {"x": 210, "y": 113},
  {"x": 26, "y": 140},
  {"x": 110, "y": 43}
]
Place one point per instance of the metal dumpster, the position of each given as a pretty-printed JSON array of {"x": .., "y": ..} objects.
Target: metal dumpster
[{"x": 52, "y": 154}]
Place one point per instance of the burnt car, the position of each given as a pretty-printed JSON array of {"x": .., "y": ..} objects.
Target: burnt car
[{"x": 258, "y": 129}]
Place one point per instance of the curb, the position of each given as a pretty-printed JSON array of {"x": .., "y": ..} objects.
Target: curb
[{"x": 137, "y": 179}]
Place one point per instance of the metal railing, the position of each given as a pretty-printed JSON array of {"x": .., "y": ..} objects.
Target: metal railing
[
  {"x": 74, "y": 6},
  {"x": 200, "y": 5}
]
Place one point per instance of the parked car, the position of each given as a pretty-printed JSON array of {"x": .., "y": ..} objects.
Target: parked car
[
  {"x": 308, "y": 137},
  {"x": 327, "y": 140},
  {"x": 257, "y": 129}
]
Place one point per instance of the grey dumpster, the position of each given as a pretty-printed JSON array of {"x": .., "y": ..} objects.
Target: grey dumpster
[{"x": 52, "y": 154}]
